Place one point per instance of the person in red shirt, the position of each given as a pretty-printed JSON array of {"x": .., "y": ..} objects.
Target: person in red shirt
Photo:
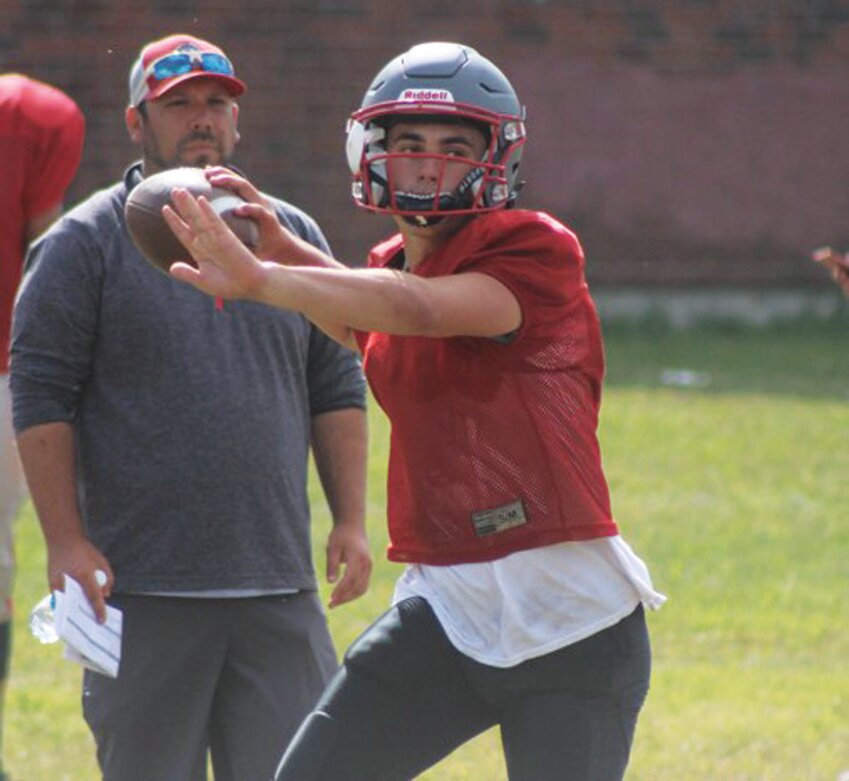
[
  {"x": 41, "y": 141},
  {"x": 521, "y": 604}
]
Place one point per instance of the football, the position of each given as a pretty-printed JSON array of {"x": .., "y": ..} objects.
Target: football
[{"x": 152, "y": 235}]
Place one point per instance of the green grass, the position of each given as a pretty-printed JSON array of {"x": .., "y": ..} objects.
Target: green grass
[{"x": 735, "y": 493}]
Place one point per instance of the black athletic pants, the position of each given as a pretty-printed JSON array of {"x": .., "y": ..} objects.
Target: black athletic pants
[{"x": 405, "y": 698}]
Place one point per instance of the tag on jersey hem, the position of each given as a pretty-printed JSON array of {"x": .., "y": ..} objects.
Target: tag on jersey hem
[{"x": 499, "y": 519}]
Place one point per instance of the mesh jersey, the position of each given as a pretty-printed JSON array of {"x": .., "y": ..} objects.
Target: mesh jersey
[
  {"x": 493, "y": 442},
  {"x": 41, "y": 142}
]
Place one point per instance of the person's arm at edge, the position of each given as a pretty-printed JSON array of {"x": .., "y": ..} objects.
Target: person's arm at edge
[
  {"x": 57, "y": 164},
  {"x": 47, "y": 456},
  {"x": 837, "y": 264},
  {"x": 339, "y": 443}
]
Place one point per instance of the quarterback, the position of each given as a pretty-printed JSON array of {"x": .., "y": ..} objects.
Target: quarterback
[{"x": 521, "y": 604}]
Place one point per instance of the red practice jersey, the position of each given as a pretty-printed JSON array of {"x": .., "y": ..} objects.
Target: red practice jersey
[
  {"x": 41, "y": 142},
  {"x": 493, "y": 445}
]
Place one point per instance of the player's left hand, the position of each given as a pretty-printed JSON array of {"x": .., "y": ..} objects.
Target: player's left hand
[
  {"x": 348, "y": 553},
  {"x": 225, "y": 267}
]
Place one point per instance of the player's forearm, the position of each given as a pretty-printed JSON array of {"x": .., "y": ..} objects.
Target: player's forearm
[
  {"x": 362, "y": 299},
  {"x": 47, "y": 457},
  {"x": 339, "y": 332}
]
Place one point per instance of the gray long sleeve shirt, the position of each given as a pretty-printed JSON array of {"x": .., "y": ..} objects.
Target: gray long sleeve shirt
[{"x": 192, "y": 424}]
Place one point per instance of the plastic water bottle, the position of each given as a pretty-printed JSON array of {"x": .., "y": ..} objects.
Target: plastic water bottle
[{"x": 42, "y": 623}]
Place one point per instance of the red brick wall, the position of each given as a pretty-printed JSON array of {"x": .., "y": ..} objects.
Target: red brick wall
[{"x": 689, "y": 142}]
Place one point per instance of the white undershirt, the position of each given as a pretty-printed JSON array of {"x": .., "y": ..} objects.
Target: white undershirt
[{"x": 532, "y": 602}]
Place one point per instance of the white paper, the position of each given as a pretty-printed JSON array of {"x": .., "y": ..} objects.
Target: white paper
[{"x": 89, "y": 643}]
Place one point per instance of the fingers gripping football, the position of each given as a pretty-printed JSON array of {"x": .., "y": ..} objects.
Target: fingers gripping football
[
  {"x": 256, "y": 210},
  {"x": 224, "y": 265}
]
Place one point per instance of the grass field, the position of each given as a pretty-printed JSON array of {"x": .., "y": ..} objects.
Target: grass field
[{"x": 734, "y": 491}]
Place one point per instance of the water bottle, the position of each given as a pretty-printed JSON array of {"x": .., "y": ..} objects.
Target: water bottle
[{"x": 42, "y": 622}]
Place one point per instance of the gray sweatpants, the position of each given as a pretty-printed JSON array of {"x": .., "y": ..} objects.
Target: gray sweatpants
[{"x": 233, "y": 677}]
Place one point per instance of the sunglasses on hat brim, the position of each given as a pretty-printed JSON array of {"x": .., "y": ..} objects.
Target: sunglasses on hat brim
[{"x": 180, "y": 63}]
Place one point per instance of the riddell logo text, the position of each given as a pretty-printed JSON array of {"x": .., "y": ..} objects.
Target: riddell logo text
[{"x": 429, "y": 95}]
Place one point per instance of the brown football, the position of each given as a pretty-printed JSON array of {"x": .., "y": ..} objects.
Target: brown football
[{"x": 148, "y": 229}]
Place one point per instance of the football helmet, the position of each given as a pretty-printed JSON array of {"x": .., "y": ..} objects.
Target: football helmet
[{"x": 437, "y": 82}]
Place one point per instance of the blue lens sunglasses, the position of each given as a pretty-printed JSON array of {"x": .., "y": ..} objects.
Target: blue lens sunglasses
[{"x": 178, "y": 63}]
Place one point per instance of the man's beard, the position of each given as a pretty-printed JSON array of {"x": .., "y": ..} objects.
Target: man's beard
[
  {"x": 203, "y": 158},
  {"x": 155, "y": 161}
]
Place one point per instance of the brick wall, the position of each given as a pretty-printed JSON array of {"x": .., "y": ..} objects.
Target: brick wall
[{"x": 691, "y": 143}]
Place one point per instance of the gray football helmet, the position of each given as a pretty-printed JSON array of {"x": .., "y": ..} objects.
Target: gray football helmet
[{"x": 438, "y": 82}]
